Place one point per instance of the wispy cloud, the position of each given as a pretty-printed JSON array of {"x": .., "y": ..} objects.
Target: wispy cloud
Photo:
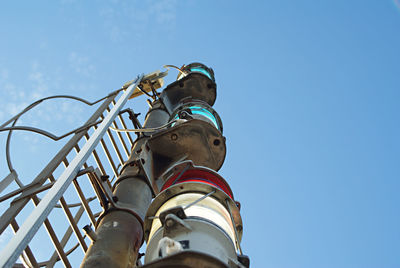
[
  {"x": 138, "y": 18},
  {"x": 57, "y": 115},
  {"x": 15, "y": 97},
  {"x": 40, "y": 83},
  {"x": 165, "y": 11},
  {"x": 81, "y": 64},
  {"x": 3, "y": 74}
]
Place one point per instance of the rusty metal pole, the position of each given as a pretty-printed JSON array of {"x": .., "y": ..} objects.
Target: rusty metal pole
[{"x": 120, "y": 232}]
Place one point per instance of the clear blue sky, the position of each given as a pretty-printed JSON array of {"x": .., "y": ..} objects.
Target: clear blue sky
[{"x": 308, "y": 92}]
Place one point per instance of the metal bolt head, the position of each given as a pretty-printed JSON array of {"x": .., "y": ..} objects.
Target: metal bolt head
[
  {"x": 174, "y": 137},
  {"x": 169, "y": 223},
  {"x": 180, "y": 214}
]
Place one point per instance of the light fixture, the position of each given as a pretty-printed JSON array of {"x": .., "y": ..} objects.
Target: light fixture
[
  {"x": 194, "y": 109},
  {"x": 196, "y": 67}
]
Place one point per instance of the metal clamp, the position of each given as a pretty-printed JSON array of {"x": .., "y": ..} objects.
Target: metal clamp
[{"x": 110, "y": 199}]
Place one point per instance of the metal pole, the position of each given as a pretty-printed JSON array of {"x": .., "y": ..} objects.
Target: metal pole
[
  {"x": 19, "y": 242},
  {"x": 120, "y": 233}
]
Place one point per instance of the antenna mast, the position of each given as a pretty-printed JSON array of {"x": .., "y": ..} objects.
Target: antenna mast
[{"x": 167, "y": 191}]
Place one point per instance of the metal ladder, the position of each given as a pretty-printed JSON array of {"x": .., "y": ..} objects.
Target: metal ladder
[{"x": 71, "y": 191}]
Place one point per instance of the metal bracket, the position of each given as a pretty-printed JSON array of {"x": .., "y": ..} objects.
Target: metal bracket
[
  {"x": 172, "y": 223},
  {"x": 245, "y": 260},
  {"x": 172, "y": 219},
  {"x": 178, "y": 211},
  {"x": 133, "y": 117},
  {"x": 235, "y": 264},
  {"x": 111, "y": 199}
]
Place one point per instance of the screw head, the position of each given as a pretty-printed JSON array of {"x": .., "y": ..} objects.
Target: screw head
[
  {"x": 217, "y": 142},
  {"x": 169, "y": 223}
]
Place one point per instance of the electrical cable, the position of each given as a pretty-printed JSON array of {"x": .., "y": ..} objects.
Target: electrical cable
[
  {"x": 39, "y": 131},
  {"x": 179, "y": 69},
  {"x": 144, "y": 92},
  {"x": 189, "y": 205},
  {"x": 155, "y": 94},
  {"x": 48, "y": 134},
  {"x": 173, "y": 66},
  {"x": 148, "y": 129},
  {"x": 198, "y": 200},
  {"x": 32, "y": 105}
]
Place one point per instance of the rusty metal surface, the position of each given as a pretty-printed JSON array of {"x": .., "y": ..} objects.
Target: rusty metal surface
[
  {"x": 119, "y": 237},
  {"x": 195, "y": 140},
  {"x": 193, "y": 86}
]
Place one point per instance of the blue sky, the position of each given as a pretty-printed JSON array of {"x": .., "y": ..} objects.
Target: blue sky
[{"x": 308, "y": 92}]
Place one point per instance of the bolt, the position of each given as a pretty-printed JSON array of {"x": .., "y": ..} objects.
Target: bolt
[
  {"x": 90, "y": 233},
  {"x": 180, "y": 214},
  {"x": 134, "y": 169},
  {"x": 238, "y": 204},
  {"x": 217, "y": 142},
  {"x": 174, "y": 137},
  {"x": 169, "y": 223}
]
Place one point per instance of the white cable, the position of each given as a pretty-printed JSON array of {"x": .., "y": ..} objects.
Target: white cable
[
  {"x": 189, "y": 205},
  {"x": 149, "y": 129},
  {"x": 173, "y": 66},
  {"x": 198, "y": 200}
]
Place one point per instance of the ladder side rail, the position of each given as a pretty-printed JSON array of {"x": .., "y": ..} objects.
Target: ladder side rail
[{"x": 27, "y": 256}]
